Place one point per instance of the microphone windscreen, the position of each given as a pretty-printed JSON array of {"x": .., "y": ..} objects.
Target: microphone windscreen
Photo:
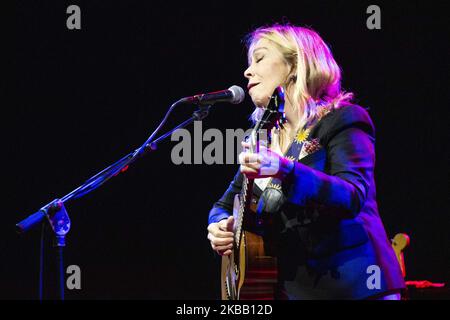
[{"x": 238, "y": 94}]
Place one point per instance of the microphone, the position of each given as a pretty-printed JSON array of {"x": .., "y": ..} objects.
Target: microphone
[{"x": 234, "y": 94}]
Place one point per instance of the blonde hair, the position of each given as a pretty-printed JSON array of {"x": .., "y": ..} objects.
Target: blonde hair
[{"x": 317, "y": 75}]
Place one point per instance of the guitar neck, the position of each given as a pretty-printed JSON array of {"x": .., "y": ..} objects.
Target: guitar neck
[
  {"x": 273, "y": 115},
  {"x": 244, "y": 205},
  {"x": 246, "y": 193}
]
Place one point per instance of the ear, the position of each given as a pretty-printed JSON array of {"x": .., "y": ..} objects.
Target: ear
[
  {"x": 292, "y": 74},
  {"x": 292, "y": 77}
]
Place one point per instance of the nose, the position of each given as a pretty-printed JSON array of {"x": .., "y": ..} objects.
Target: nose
[{"x": 248, "y": 73}]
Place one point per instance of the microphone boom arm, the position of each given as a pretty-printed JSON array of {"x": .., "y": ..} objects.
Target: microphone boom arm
[{"x": 119, "y": 166}]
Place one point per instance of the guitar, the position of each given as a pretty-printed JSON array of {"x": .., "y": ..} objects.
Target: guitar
[{"x": 249, "y": 273}]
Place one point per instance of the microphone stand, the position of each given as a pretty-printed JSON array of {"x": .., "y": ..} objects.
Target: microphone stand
[{"x": 55, "y": 213}]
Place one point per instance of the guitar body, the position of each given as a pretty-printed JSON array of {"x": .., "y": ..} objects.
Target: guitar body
[
  {"x": 249, "y": 272},
  {"x": 253, "y": 271}
]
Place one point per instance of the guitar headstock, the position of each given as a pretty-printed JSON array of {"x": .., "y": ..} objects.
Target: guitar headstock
[
  {"x": 274, "y": 112},
  {"x": 400, "y": 242},
  {"x": 277, "y": 100}
]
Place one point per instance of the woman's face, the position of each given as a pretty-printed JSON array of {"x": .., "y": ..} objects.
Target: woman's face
[{"x": 267, "y": 70}]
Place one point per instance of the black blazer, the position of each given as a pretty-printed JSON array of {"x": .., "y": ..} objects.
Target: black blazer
[{"x": 330, "y": 240}]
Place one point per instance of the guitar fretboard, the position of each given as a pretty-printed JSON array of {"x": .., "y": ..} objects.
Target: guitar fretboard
[{"x": 242, "y": 205}]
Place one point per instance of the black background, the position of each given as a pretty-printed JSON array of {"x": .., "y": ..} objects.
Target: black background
[{"x": 81, "y": 99}]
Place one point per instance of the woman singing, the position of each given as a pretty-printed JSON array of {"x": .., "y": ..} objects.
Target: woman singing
[{"x": 330, "y": 242}]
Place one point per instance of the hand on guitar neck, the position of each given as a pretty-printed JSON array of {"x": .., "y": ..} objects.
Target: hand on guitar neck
[
  {"x": 220, "y": 234},
  {"x": 265, "y": 163}
]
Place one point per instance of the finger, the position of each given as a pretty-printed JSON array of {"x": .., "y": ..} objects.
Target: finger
[
  {"x": 220, "y": 241},
  {"x": 222, "y": 248},
  {"x": 264, "y": 152},
  {"x": 252, "y": 158},
  {"x": 251, "y": 167},
  {"x": 214, "y": 238},
  {"x": 230, "y": 224},
  {"x": 254, "y": 165},
  {"x": 212, "y": 226},
  {"x": 245, "y": 145},
  {"x": 226, "y": 227},
  {"x": 247, "y": 157},
  {"x": 219, "y": 230},
  {"x": 224, "y": 253},
  {"x": 223, "y": 223},
  {"x": 221, "y": 234}
]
